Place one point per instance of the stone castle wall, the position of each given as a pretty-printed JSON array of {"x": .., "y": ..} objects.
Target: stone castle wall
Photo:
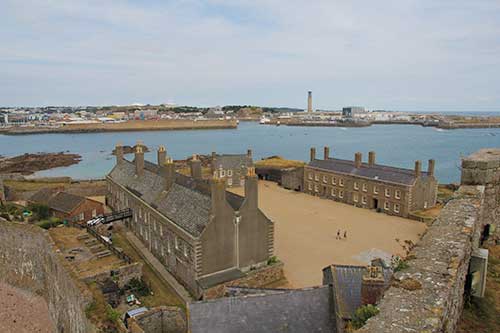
[
  {"x": 28, "y": 261},
  {"x": 428, "y": 295},
  {"x": 163, "y": 319}
]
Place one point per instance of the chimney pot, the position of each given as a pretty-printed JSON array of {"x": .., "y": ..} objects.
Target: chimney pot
[
  {"x": 372, "y": 285},
  {"x": 326, "y": 153},
  {"x": 195, "y": 164},
  {"x": 358, "y": 159},
  {"x": 431, "y": 166},
  {"x": 313, "y": 154},
  {"x": 139, "y": 160},
  {"x": 371, "y": 158},
  {"x": 418, "y": 168},
  {"x": 162, "y": 155},
  {"x": 168, "y": 172}
]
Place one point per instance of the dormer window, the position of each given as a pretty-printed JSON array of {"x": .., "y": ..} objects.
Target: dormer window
[{"x": 229, "y": 173}]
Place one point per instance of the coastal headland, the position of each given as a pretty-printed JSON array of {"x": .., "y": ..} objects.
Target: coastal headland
[{"x": 128, "y": 126}]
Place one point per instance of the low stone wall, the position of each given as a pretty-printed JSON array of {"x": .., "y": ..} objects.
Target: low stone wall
[
  {"x": 254, "y": 279},
  {"x": 28, "y": 261},
  {"x": 428, "y": 295},
  {"x": 121, "y": 275},
  {"x": 163, "y": 319}
]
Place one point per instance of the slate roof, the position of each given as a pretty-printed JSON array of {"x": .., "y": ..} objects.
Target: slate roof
[
  {"x": 232, "y": 161},
  {"x": 65, "y": 202},
  {"x": 346, "y": 281},
  {"x": 43, "y": 195},
  {"x": 187, "y": 203},
  {"x": 376, "y": 172},
  {"x": 293, "y": 310}
]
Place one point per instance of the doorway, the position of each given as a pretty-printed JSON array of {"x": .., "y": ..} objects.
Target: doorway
[{"x": 375, "y": 203}]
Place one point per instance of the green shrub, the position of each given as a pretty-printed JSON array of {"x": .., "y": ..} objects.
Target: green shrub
[
  {"x": 41, "y": 211},
  {"x": 50, "y": 223},
  {"x": 362, "y": 314},
  {"x": 272, "y": 260},
  {"x": 112, "y": 314},
  {"x": 138, "y": 286}
]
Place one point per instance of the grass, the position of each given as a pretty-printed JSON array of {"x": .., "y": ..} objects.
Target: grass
[
  {"x": 279, "y": 163},
  {"x": 162, "y": 293},
  {"x": 100, "y": 313},
  {"x": 482, "y": 315}
]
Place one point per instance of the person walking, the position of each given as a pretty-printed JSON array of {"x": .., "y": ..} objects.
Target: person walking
[
  {"x": 345, "y": 233},
  {"x": 338, "y": 234}
]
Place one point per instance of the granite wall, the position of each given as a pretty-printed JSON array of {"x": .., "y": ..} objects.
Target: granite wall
[
  {"x": 428, "y": 295},
  {"x": 28, "y": 261},
  {"x": 163, "y": 319}
]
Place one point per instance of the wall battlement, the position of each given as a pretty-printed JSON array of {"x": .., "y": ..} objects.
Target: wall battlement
[{"x": 428, "y": 295}]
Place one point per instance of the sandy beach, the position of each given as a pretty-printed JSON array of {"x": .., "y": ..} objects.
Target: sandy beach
[{"x": 306, "y": 229}]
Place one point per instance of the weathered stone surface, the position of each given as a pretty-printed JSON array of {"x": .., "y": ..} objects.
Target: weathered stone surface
[
  {"x": 440, "y": 261},
  {"x": 28, "y": 261}
]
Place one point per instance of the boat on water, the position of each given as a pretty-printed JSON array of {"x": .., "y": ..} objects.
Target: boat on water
[{"x": 264, "y": 120}]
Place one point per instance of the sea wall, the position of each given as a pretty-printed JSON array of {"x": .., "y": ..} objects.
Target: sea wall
[
  {"x": 428, "y": 295},
  {"x": 28, "y": 261}
]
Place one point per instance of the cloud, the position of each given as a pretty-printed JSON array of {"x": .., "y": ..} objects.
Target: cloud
[{"x": 386, "y": 54}]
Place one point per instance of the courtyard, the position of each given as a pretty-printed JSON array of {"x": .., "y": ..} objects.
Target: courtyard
[{"x": 305, "y": 236}]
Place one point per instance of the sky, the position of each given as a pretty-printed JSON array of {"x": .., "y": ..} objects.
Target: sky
[{"x": 428, "y": 55}]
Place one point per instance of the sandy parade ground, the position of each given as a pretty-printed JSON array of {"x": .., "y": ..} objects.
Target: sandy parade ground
[{"x": 306, "y": 230}]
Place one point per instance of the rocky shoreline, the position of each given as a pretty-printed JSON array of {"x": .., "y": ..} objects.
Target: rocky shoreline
[{"x": 28, "y": 164}]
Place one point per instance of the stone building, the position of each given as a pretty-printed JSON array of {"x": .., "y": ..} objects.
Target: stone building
[
  {"x": 232, "y": 167},
  {"x": 203, "y": 234},
  {"x": 66, "y": 206},
  {"x": 392, "y": 190}
]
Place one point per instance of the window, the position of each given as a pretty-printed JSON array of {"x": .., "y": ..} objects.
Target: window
[
  {"x": 168, "y": 245},
  {"x": 242, "y": 182},
  {"x": 310, "y": 175},
  {"x": 341, "y": 181},
  {"x": 81, "y": 217},
  {"x": 154, "y": 225},
  {"x": 229, "y": 173},
  {"x": 386, "y": 205},
  {"x": 155, "y": 244},
  {"x": 310, "y": 186},
  {"x": 161, "y": 229},
  {"x": 375, "y": 189},
  {"x": 334, "y": 180},
  {"x": 316, "y": 177},
  {"x": 396, "y": 208},
  {"x": 325, "y": 179},
  {"x": 94, "y": 212},
  {"x": 425, "y": 204},
  {"x": 363, "y": 199},
  {"x": 365, "y": 187},
  {"x": 162, "y": 251},
  {"x": 223, "y": 173},
  {"x": 387, "y": 192},
  {"x": 176, "y": 239},
  {"x": 230, "y": 181},
  {"x": 397, "y": 194},
  {"x": 185, "y": 250},
  {"x": 334, "y": 192},
  {"x": 341, "y": 194},
  {"x": 356, "y": 186},
  {"x": 355, "y": 197},
  {"x": 316, "y": 188}
]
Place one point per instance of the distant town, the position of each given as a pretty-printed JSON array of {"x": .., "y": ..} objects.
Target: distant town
[{"x": 18, "y": 120}]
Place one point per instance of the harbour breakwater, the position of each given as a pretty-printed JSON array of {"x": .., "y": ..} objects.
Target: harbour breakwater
[{"x": 128, "y": 126}]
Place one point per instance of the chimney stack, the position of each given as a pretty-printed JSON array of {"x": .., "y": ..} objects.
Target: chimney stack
[
  {"x": 309, "y": 102},
  {"x": 326, "y": 153},
  {"x": 372, "y": 285},
  {"x": 139, "y": 160},
  {"x": 358, "y": 159},
  {"x": 162, "y": 155},
  {"x": 119, "y": 152},
  {"x": 371, "y": 158},
  {"x": 430, "y": 167},
  {"x": 313, "y": 154},
  {"x": 251, "y": 188},
  {"x": 212, "y": 162},
  {"x": 195, "y": 164},
  {"x": 167, "y": 170},
  {"x": 418, "y": 168},
  {"x": 218, "y": 193},
  {"x": 249, "y": 153}
]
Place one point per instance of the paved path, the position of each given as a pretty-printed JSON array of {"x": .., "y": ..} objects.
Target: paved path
[{"x": 158, "y": 268}]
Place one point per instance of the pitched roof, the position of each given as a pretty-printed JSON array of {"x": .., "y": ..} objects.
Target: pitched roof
[
  {"x": 346, "y": 281},
  {"x": 187, "y": 203},
  {"x": 293, "y": 310},
  {"x": 232, "y": 161},
  {"x": 376, "y": 172},
  {"x": 65, "y": 202},
  {"x": 43, "y": 195}
]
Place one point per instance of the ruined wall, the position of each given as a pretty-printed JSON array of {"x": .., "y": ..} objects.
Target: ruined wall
[
  {"x": 163, "y": 319},
  {"x": 121, "y": 275},
  {"x": 428, "y": 295},
  {"x": 258, "y": 278},
  {"x": 28, "y": 261}
]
